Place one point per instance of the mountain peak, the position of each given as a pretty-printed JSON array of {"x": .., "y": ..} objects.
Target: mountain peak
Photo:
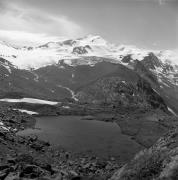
[{"x": 93, "y": 39}]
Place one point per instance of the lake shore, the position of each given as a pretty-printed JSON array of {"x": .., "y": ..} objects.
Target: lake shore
[
  {"x": 31, "y": 158},
  {"x": 78, "y": 135}
]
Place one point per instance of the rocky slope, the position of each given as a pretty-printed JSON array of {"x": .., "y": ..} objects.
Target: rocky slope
[{"x": 158, "y": 162}]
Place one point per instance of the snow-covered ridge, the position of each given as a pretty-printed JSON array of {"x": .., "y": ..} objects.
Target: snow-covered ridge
[{"x": 52, "y": 52}]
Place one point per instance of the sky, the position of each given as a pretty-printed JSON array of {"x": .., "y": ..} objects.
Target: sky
[{"x": 151, "y": 24}]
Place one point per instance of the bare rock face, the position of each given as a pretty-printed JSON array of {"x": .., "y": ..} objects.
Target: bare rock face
[
  {"x": 151, "y": 61},
  {"x": 81, "y": 49}
]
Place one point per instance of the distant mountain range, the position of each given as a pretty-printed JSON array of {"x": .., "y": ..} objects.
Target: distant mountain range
[{"x": 81, "y": 69}]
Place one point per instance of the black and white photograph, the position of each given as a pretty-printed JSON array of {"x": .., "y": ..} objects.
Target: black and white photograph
[{"x": 88, "y": 89}]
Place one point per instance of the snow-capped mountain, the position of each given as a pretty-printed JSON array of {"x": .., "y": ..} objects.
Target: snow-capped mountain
[
  {"x": 68, "y": 50},
  {"x": 81, "y": 52},
  {"x": 63, "y": 69}
]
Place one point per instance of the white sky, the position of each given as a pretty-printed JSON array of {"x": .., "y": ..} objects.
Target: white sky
[
  {"x": 144, "y": 23},
  {"x": 23, "y": 25}
]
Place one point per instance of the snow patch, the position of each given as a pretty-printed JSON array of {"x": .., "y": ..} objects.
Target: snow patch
[
  {"x": 26, "y": 111},
  {"x": 170, "y": 110},
  {"x": 8, "y": 68},
  {"x": 2, "y": 126},
  {"x": 29, "y": 100},
  {"x": 66, "y": 107}
]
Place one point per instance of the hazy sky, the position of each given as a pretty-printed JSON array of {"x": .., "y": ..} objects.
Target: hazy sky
[{"x": 144, "y": 23}]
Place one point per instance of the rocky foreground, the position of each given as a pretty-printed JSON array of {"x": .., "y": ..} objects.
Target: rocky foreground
[
  {"x": 31, "y": 158},
  {"x": 160, "y": 162}
]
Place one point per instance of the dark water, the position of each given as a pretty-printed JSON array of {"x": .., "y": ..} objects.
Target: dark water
[{"x": 102, "y": 139}]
